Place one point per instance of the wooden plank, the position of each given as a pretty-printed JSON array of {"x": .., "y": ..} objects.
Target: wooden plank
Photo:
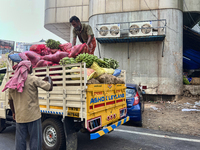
[
  {"x": 73, "y": 65},
  {"x": 73, "y": 76},
  {"x": 74, "y": 70},
  {"x": 56, "y": 98},
  {"x": 73, "y": 81},
  {"x": 56, "y": 104},
  {"x": 50, "y": 72},
  {"x": 68, "y": 92},
  {"x": 78, "y": 99},
  {"x": 64, "y": 92},
  {"x": 57, "y": 82},
  {"x": 57, "y": 77}
]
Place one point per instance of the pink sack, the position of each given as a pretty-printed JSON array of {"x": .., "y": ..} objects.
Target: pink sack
[
  {"x": 56, "y": 57},
  {"x": 77, "y": 50},
  {"x": 23, "y": 56},
  {"x": 43, "y": 63},
  {"x": 65, "y": 47},
  {"x": 33, "y": 57},
  {"x": 45, "y": 51}
]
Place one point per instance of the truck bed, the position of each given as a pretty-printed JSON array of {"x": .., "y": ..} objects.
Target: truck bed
[{"x": 72, "y": 97}]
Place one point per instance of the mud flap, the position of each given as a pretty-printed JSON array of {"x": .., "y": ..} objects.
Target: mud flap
[{"x": 70, "y": 134}]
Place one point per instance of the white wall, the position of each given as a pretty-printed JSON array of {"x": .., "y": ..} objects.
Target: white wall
[{"x": 162, "y": 75}]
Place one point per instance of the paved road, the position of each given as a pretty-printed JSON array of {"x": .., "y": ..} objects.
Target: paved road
[{"x": 123, "y": 138}]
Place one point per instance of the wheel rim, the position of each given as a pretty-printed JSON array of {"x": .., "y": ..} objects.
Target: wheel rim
[{"x": 50, "y": 136}]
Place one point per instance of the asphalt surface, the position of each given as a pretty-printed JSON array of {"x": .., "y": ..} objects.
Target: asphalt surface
[{"x": 123, "y": 138}]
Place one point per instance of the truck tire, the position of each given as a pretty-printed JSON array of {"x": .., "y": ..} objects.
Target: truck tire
[
  {"x": 53, "y": 135},
  {"x": 2, "y": 125}
]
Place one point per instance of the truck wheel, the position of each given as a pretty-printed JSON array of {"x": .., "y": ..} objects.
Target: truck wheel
[
  {"x": 53, "y": 135},
  {"x": 2, "y": 125}
]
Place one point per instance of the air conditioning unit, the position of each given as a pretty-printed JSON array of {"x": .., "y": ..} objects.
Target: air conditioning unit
[
  {"x": 140, "y": 29},
  {"x": 106, "y": 31}
]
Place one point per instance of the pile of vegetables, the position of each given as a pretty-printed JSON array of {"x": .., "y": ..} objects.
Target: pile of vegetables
[
  {"x": 52, "y": 44},
  {"x": 66, "y": 61},
  {"x": 89, "y": 59}
]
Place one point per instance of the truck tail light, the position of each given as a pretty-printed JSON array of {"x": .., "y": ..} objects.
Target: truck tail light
[
  {"x": 136, "y": 99},
  {"x": 94, "y": 124},
  {"x": 111, "y": 117},
  {"x": 108, "y": 118}
]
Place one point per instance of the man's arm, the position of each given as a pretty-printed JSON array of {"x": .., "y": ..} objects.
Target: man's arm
[
  {"x": 12, "y": 108},
  {"x": 90, "y": 34},
  {"x": 89, "y": 40},
  {"x": 74, "y": 41}
]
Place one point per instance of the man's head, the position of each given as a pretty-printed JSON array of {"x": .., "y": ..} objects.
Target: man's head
[
  {"x": 26, "y": 64},
  {"x": 75, "y": 22}
]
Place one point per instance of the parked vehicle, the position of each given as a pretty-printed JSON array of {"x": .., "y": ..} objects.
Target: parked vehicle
[
  {"x": 71, "y": 106},
  {"x": 135, "y": 103}
]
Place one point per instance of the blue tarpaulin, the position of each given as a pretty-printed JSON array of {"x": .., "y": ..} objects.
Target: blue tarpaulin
[{"x": 191, "y": 49}]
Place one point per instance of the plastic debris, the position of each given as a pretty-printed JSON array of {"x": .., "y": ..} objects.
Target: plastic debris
[
  {"x": 187, "y": 103},
  {"x": 154, "y": 108},
  {"x": 197, "y": 103},
  {"x": 190, "y": 110}
]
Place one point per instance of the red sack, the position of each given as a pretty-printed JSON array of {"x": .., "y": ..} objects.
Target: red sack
[
  {"x": 35, "y": 49},
  {"x": 40, "y": 47},
  {"x": 65, "y": 47},
  {"x": 53, "y": 51},
  {"x": 43, "y": 50},
  {"x": 33, "y": 57},
  {"x": 43, "y": 63},
  {"x": 77, "y": 50},
  {"x": 56, "y": 57}
]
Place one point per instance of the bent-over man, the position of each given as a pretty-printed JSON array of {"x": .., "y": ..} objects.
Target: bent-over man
[{"x": 84, "y": 33}]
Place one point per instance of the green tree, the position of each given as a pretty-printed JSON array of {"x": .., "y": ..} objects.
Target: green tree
[
  {"x": 3, "y": 64},
  {"x": 1, "y": 78}
]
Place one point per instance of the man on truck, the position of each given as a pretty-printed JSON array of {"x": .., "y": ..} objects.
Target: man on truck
[
  {"x": 24, "y": 104},
  {"x": 84, "y": 33}
]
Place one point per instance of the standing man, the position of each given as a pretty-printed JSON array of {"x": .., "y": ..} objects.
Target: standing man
[
  {"x": 84, "y": 33},
  {"x": 23, "y": 100}
]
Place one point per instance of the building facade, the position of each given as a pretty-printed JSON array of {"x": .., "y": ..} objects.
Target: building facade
[{"x": 156, "y": 64}]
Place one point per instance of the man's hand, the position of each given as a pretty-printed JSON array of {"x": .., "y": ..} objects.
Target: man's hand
[
  {"x": 46, "y": 78},
  {"x": 89, "y": 48},
  {"x": 13, "y": 116}
]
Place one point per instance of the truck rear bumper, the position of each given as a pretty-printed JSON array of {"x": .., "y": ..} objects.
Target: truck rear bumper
[{"x": 100, "y": 133}]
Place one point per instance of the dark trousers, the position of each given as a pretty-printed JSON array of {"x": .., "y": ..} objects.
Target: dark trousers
[{"x": 35, "y": 131}]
